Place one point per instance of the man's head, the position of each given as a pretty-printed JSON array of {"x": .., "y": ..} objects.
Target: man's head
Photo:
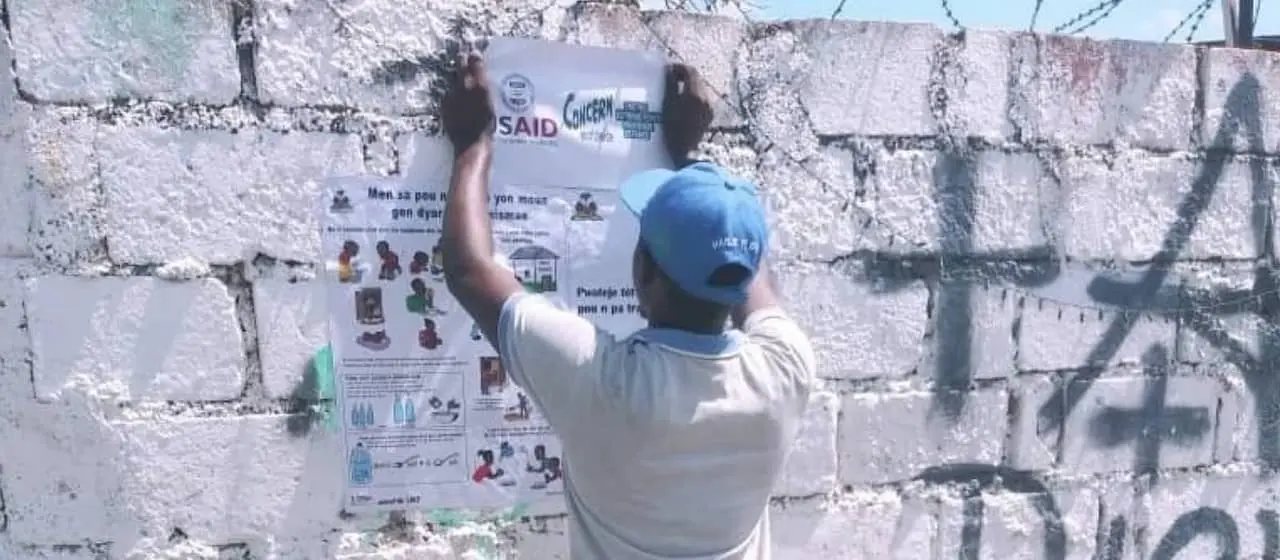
[{"x": 703, "y": 234}]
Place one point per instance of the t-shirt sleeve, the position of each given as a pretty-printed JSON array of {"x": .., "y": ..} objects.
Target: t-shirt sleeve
[
  {"x": 784, "y": 342},
  {"x": 552, "y": 354}
]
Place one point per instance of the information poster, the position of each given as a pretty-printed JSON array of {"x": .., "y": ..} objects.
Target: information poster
[{"x": 431, "y": 418}]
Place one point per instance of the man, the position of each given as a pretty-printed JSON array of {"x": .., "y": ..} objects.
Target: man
[{"x": 673, "y": 437}]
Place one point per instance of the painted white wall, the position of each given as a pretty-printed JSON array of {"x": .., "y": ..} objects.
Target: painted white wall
[{"x": 158, "y": 160}]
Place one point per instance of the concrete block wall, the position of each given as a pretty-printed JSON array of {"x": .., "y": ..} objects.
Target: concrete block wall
[{"x": 1038, "y": 272}]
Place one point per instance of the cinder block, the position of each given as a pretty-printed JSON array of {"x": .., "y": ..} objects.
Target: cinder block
[
  {"x": 1136, "y": 423},
  {"x": 292, "y": 326},
  {"x": 1022, "y": 524},
  {"x": 810, "y": 204},
  {"x": 15, "y": 213},
  {"x": 179, "y": 52},
  {"x": 867, "y": 78},
  {"x": 976, "y": 80},
  {"x": 891, "y": 437},
  {"x": 857, "y": 331},
  {"x": 962, "y": 205},
  {"x": 1241, "y": 92},
  {"x": 1028, "y": 448},
  {"x": 62, "y": 485},
  {"x": 1082, "y": 91},
  {"x": 1220, "y": 332},
  {"x": 135, "y": 338},
  {"x": 860, "y": 524},
  {"x": 767, "y": 74},
  {"x": 972, "y": 333},
  {"x": 1247, "y": 406},
  {"x": 1126, "y": 210},
  {"x": 67, "y": 201},
  {"x": 8, "y": 85},
  {"x": 9, "y": 549},
  {"x": 1063, "y": 337},
  {"x": 811, "y": 468},
  {"x": 370, "y": 54},
  {"x": 15, "y": 343},
  {"x": 80, "y": 478},
  {"x": 1203, "y": 516},
  {"x": 217, "y": 196},
  {"x": 712, "y": 44},
  {"x": 203, "y": 474}
]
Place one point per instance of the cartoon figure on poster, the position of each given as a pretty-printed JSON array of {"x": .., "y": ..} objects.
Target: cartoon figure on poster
[
  {"x": 390, "y": 267},
  {"x": 348, "y": 270},
  {"x": 421, "y": 299},
  {"x": 585, "y": 209},
  {"x": 541, "y": 468},
  {"x": 497, "y": 466},
  {"x": 341, "y": 203},
  {"x": 428, "y": 337},
  {"x": 519, "y": 411}
]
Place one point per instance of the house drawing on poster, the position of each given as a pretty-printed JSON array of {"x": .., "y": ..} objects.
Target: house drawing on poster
[{"x": 536, "y": 267}]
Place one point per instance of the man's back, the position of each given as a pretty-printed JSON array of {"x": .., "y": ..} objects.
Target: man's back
[{"x": 672, "y": 440}]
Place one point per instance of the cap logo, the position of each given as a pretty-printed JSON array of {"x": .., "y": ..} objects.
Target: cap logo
[{"x": 735, "y": 243}]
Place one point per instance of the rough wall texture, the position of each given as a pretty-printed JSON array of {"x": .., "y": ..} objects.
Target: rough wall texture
[{"x": 1039, "y": 272}]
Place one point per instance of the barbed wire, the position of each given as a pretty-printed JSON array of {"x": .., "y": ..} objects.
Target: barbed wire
[
  {"x": 1197, "y": 13},
  {"x": 1088, "y": 18},
  {"x": 893, "y": 234},
  {"x": 1204, "y": 10},
  {"x": 951, "y": 16}
]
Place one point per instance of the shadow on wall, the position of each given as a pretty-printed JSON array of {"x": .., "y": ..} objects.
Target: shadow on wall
[{"x": 957, "y": 268}]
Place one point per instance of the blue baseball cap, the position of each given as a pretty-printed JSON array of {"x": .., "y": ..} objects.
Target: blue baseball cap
[{"x": 697, "y": 220}]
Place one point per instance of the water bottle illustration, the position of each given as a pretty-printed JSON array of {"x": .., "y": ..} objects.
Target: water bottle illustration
[
  {"x": 397, "y": 412},
  {"x": 357, "y": 415},
  {"x": 361, "y": 465},
  {"x": 410, "y": 411},
  {"x": 369, "y": 417}
]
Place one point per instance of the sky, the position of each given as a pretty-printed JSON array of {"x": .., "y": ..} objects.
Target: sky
[{"x": 1144, "y": 20}]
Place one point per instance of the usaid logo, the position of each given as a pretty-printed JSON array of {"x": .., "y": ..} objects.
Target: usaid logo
[{"x": 516, "y": 92}]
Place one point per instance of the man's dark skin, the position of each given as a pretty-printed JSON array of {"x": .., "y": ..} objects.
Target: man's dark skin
[{"x": 482, "y": 285}]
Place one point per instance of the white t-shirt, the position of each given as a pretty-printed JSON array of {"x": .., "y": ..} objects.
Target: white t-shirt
[{"x": 672, "y": 440}]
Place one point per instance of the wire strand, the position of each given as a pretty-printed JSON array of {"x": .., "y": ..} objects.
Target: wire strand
[
  {"x": 1196, "y": 13},
  {"x": 1104, "y": 7}
]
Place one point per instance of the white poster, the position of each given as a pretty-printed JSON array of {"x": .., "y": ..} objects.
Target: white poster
[{"x": 431, "y": 419}]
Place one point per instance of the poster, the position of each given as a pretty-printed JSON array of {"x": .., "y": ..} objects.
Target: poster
[{"x": 430, "y": 417}]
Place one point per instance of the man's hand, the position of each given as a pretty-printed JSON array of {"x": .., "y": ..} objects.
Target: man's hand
[
  {"x": 466, "y": 112},
  {"x": 686, "y": 112}
]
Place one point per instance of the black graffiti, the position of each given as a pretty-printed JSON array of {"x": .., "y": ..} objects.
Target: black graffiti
[
  {"x": 1148, "y": 427},
  {"x": 1197, "y": 309},
  {"x": 1152, "y": 424},
  {"x": 1197, "y": 522},
  {"x": 972, "y": 480}
]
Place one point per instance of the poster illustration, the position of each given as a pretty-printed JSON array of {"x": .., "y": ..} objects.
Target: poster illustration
[{"x": 430, "y": 417}]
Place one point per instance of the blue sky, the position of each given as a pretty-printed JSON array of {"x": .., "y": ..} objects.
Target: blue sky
[{"x": 1146, "y": 20}]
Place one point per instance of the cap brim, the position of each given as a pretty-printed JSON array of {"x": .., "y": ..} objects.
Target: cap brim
[{"x": 639, "y": 188}]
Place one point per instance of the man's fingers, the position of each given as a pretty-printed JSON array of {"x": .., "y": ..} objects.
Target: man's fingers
[
  {"x": 462, "y": 76},
  {"x": 477, "y": 69}
]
